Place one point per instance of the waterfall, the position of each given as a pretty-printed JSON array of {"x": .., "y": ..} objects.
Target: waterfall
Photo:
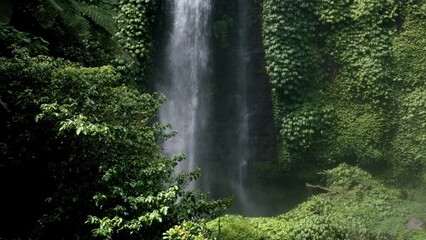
[
  {"x": 218, "y": 101},
  {"x": 243, "y": 59},
  {"x": 243, "y": 150},
  {"x": 186, "y": 61}
]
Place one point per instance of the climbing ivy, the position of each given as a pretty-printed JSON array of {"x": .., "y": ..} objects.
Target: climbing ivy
[
  {"x": 135, "y": 19},
  {"x": 359, "y": 39},
  {"x": 288, "y": 30},
  {"x": 340, "y": 72},
  {"x": 293, "y": 67},
  {"x": 305, "y": 125},
  {"x": 408, "y": 151}
]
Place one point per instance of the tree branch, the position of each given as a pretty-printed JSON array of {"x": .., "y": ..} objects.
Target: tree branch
[
  {"x": 4, "y": 105},
  {"x": 324, "y": 189}
]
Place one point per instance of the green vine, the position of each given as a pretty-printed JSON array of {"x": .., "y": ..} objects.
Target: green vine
[
  {"x": 135, "y": 18},
  {"x": 359, "y": 38},
  {"x": 342, "y": 55},
  {"x": 303, "y": 127},
  {"x": 293, "y": 67}
]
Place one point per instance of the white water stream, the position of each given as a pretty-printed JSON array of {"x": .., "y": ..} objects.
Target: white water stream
[{"x": 187, "y": 57}]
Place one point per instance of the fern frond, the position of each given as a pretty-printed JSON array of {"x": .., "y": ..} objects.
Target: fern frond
[
  {"x": 47, "y": 12},
  {"x": 55, "y": 5},
  {"x": 72, "y": 17},
  {"x": 99, "y": 16},
  {"x": 76, "y": 15}
]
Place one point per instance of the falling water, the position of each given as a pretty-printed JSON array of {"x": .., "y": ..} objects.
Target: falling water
[
  {"x": 242, "y": 78},
  {"x": 219, "y": 104},
  {"x": 243, "y": 149},
  {"x": 187, "y": 56}
]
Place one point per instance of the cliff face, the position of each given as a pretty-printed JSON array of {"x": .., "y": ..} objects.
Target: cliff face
[
  {"x": 345, "y": 78},
  {"x": 239, "y": 86},
  {"x": 225, "y": 84}
]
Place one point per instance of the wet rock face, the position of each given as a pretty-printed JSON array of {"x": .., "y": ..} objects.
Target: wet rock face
[{"x": 415, "y": 223}]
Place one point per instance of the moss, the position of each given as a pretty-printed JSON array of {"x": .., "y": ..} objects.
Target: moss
[{"x": 222, "y": 29}]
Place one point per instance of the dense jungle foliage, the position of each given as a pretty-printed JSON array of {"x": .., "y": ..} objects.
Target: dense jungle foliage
[
  {"x": 348, "y": 81},
  {"x": 80, "y": 146},
  {"x": 348, "y": 84},
  {"x": 355, "y": 206}
]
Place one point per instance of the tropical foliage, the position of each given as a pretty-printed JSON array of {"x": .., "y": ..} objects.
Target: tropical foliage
[
  {"x": 80, "y": 145},
  {"x": 356, "y": 207},
  {"x": 81, "y": 133},
  {"x": 342, "y": 74}
]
